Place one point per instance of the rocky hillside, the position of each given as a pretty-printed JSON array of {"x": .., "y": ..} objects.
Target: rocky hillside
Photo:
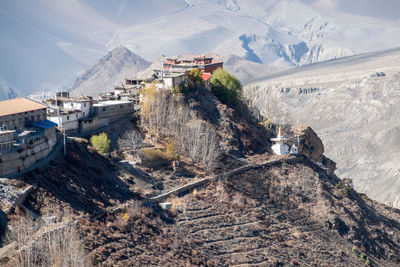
[
  {"x": 110, "y": 70},
  {"x": 283, "y": 211},
  {"x": 352, "y": 103},
  {"x": 248, "y": 208}
]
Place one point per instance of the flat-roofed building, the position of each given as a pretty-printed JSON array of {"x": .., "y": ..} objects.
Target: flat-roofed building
[
  {"x": 174, "y": 79},
  {"x": 16, "y": 113},
  {"x": 110, "y": 111},
  {"x": 83, "y": 105},
  {"x": 203, "y": 63}
]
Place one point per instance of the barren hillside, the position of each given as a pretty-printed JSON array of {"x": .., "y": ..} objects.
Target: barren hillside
[
  {"x": 246, "y": 207},
  {"x": 352, "y": 103}
]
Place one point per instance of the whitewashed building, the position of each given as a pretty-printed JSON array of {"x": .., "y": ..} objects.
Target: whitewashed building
[{"x": 83, "y": 105}]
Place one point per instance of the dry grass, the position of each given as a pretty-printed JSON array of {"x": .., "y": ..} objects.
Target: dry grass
[{"x": 177, "y": 204}]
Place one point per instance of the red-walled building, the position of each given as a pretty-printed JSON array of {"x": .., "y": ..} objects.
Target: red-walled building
[{"x": 203, "y": 63}]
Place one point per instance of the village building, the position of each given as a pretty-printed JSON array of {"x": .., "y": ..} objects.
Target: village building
[
  {"x": 112, "y": 110},
  {"x": 26, "y": 137},
  {"x": 203, "y": 63},
  {"x": 82, "y": 105},
  {"x": 6, "y": 141},
  {"x": 174, "y": 79},
  {"x": 69, "y": 120},
  {"x": 173, "y": 66},
  {"x": 16, "y": 113},
  {"x": 67, "y": 112}
]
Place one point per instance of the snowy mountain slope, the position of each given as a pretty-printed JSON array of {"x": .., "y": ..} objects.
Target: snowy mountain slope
[
  {"x": 110, "y": 70},
  {"x": 353, "y": 104},
  {"x": 45, "y": 44}
]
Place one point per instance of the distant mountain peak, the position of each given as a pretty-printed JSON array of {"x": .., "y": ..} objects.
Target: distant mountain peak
[{"x": 114, "y": 67}]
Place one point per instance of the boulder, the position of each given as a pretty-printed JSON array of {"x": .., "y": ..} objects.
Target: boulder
[{"x": 310, "y": 144}]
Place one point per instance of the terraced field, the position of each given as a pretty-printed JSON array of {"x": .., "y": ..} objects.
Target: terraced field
[{"x": 255, "y": 219}]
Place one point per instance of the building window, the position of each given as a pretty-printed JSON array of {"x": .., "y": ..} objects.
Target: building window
[
  {"x": 67, "y": 118},
  {"x": 84, "y": 114},
  {"x": 32, "y": 118},
  {"x": 104, "y": 109},
  {"x": 84, "y": 104},
  {"x": 38, "y": 117}
]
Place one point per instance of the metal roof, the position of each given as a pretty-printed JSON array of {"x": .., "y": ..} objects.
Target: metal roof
[
  {"x": 43, "y": 124},
  {"x": 18, "y": 105}
]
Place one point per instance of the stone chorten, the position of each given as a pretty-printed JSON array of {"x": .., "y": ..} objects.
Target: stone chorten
[{"x": 280, "y": 147}]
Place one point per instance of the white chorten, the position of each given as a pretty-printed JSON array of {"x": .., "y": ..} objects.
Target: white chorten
[
  {"x": 294, "y": 150},
  {"x": 280, "y": 147}
]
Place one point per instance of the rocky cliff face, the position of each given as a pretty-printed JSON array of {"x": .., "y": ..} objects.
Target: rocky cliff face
[{"x": 310, "y": 144}]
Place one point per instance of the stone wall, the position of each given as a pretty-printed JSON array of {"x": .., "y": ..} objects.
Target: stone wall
[
  {"x": 18, "y": 120},
  {"x": 18, "y": 161},
  {"x": 86, "y": 126}
]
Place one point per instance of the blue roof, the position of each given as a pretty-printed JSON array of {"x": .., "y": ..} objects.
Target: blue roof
[{"x": 43, "y": 124}]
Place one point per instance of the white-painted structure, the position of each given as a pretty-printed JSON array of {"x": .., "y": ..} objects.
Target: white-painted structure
[
  {"x": 82, "y": 105},
  {"x": 68, "y": 120},
  {"x": 280, "y": 147},
  {"x": 294, "y": 150},
  {"x": 172, "y": 80}
]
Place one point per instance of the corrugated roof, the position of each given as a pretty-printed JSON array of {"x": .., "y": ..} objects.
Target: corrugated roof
[
  {"x": 43, "y": 124},
  {"x": 18, "y": 105}
]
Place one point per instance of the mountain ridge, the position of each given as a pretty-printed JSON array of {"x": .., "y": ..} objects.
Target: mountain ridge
[
  {"x": 42, "y": 50},
  {"x": 115, "y": 66},
  {"x": 351, "y": 103}
]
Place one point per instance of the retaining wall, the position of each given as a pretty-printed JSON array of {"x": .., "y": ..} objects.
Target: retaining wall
[{"x": 19, "y": 161}]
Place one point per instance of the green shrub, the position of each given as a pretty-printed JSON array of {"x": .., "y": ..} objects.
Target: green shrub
[
  {"x": 345, "y": 186},
  {"x": 226, "y": 87},
  {"x": 362, "y": 256},
  {"x": 192, "y": 82},
  {"x": 153, "y": 154},
  {"x": 367, "y": 261},
  {"x": 195, "y": 76},
  {"x": 177, "y": 90},
  {"x": 172, "y": 151},
  {"x": 101, "y": 143},
  {"x": 170, "y": 154}
]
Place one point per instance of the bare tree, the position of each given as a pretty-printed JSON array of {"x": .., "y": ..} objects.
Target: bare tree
[
  {"x": 131, "y": 141},
  {"x": 200, "y": 141},
  {"x": 196, "y": 138},
  {"x": 46, "y": 243}
]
